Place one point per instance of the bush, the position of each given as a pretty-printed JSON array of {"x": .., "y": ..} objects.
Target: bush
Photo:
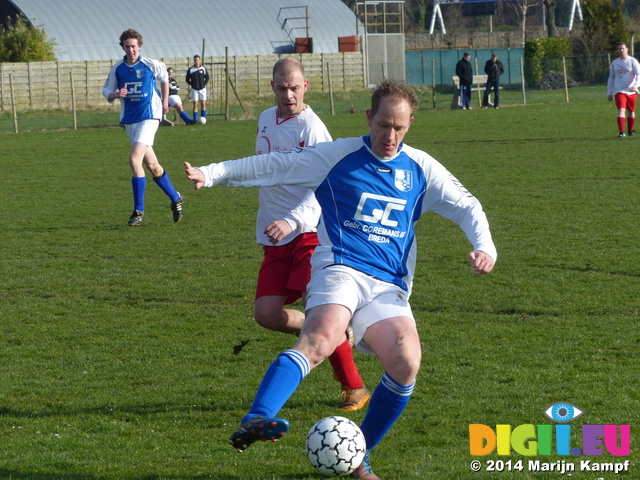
[
  {"x": 543, "y": 55},
  {"x": 22, "y": 42}
]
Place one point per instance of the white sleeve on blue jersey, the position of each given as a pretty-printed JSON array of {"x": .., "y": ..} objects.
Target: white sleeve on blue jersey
[
  {"x": 160, "y": 70},
  {"x": 447, "y": 197},
  {"x": 111, "y": 83},
  {"x": 304, "y": 167}
]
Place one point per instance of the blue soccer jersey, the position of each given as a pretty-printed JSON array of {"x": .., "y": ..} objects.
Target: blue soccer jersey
[
  {"x": 369, "y": 204},
  {"x": 143, "y": 100}
]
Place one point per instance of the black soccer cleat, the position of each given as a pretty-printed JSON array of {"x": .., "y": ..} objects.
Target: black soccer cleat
[
  {"x": 136, "y": 218},
  {"x": 621, "y": 135},
  {"x": 177, "y": 208},
  {"x": 631, "y": 133},
  {"x": 258, "y": 428}
]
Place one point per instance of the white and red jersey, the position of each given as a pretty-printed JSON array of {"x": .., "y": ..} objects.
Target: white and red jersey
[
  {"x": 623, "y": 75},
  {"x": 297, "y": 205}
]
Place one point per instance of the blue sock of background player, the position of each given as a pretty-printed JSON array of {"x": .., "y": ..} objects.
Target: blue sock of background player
[
  {"x": 138, "y": 185},
  {"x": 185, "y": 117},
  {"x": 167, "y": 187}
]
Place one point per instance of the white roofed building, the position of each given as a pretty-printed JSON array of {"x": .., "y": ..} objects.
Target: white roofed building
[{"x": 89, "y": 29}]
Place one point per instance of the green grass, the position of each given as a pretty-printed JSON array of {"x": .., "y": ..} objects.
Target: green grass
[{"x": 116, "y": 343}]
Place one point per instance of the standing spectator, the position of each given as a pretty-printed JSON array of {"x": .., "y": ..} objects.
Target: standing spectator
[
  {"x": 372, "y": 189},
  {"x": 133, "y": 81},
  {"x": 464, "y": 71},
  {"x": 493, "y": 68},
  {"x": 174, "y": 99},
  {"x": 624, "y": 80},
  {"x": 197, "y": 78},
  {"x": 286, "y": 225}
]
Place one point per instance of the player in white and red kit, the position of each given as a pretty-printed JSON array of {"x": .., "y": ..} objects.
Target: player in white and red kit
[
  {"x": 624, "y": 81},
  {"x": 286, "y": 224}
]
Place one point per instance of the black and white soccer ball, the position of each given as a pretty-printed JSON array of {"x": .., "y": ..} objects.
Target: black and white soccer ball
[{"x": 335, "y": 446}]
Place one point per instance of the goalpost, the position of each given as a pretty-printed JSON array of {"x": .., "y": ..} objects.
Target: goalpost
[{"x": 436, "y": 14}]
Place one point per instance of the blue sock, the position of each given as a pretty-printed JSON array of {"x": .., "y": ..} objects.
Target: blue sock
[
  {"x": 278, "y": 384},
  {"x": 138, "y": 184},
  {"x": 203, "y": 113},
  {"x": 185, "y": 117},
  {"x": 387, "y": 403},
  {"x": 195, "y": 115},
  {"x": 167, "y": 187}
]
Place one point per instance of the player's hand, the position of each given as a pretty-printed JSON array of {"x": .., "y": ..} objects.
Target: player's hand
[
  {"x": 195, "y": 175},
  {"x": 609, "y": 97},
  {"x": 277, "y": 230},
  {"x": 122, "y": 92},
  {"x": 481, "y": 262}
]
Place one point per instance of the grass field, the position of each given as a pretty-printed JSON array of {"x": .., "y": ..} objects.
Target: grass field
[{"x": 117, "y": 343}]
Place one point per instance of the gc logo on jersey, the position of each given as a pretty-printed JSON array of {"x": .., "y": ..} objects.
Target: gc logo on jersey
[
  {"x": 403, "y": 180},
  {"x": 134, "y": 88},
  {"x": 379, "y": 215}
]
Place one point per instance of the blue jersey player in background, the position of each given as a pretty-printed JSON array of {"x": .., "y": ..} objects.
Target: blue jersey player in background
[
  {"x": 372, "y": 190},
  {"x": 133, "y": 80}
]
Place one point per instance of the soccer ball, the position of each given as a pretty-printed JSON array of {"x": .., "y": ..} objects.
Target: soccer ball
[
  {"x": 335, "y": 446},
  {"x": 202, "y": 120}
]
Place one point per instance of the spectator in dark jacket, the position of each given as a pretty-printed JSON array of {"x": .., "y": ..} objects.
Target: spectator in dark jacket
[
  {"x": 493, "y": 68},
  {"x": 465, "y": 73}
]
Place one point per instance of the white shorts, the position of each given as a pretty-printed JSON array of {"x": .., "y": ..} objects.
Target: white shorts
[
  {"x": 142, "y": 132},
  {"x": 370, "y": 300},
  {"x": 174, "y": 100},
  {"x": 198, "y": 94}
]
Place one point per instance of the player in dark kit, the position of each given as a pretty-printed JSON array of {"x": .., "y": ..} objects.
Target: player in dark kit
[
  {"x": 197, "y": 78},
  {"x": 175, "y": 101}
]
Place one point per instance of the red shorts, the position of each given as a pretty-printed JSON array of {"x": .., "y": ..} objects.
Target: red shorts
[
  {"x": 626, "y": 101},
  {"x": 286, "y": 269}
]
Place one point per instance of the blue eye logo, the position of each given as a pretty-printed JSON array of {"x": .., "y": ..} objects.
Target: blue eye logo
[{"x": 563, "y": 412}]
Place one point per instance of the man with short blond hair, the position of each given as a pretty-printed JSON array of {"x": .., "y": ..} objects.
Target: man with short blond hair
[{"x": 286, "y": 224}]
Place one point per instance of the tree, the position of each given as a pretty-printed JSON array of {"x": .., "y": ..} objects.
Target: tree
[
  {"x": 520, "y": 8},
  {"x": 604, "y": 26},
  {"x": 22, "y": 42},
  {"x": 550, "y": 18}
]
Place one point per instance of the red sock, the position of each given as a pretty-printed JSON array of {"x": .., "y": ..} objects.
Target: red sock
[
  {"x": 344, "y": 367},
  {"x": 621, "y": 124},
  {"x": 631, "y": 122}
]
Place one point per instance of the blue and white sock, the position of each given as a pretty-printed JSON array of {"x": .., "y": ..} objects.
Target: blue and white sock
[
  {"x": 138, "y": 185},
  {"x": 278, "y": 384},
  {"x": 387, "y": 403},
  {"x": 167, "y": 187}
]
